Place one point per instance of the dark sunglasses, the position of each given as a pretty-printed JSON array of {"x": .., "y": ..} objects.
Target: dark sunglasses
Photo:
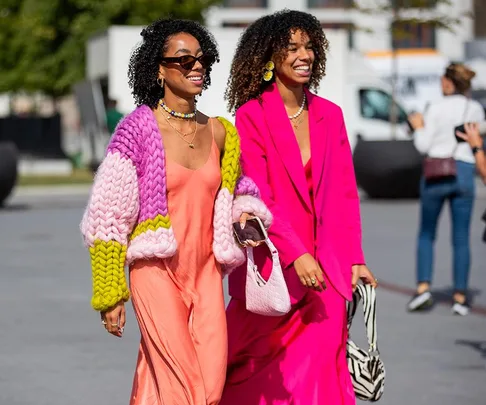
[{"x": 188, "y": 61}]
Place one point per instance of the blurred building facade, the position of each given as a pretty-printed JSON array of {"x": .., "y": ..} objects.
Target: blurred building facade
[
  {"x": 338, "y": 14},
  {"x": 480, "y": 19}
]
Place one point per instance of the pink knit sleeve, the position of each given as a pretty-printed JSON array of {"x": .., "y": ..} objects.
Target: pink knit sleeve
[{"x": 106, "y": 225}]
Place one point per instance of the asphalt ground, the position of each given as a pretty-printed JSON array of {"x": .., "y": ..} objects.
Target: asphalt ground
[{"x": 54, "y": 351}]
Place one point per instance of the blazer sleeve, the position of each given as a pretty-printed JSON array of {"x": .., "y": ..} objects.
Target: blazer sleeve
[
  {"x": 254, "y": 165},
  {"x": 107, "y": 223},
  {"x": 351, "y": 202}
]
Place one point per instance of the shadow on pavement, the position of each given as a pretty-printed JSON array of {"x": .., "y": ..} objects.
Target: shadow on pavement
[
  {"x": 477, "y": 345},
  {"x": 444, "y": 295},
  {"x": 15, "y": 207}
]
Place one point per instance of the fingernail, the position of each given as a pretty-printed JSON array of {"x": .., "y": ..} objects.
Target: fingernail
[{"x": 242, "y": 225}]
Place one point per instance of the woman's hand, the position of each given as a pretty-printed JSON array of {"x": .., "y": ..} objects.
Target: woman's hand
[
  {"x": 416, "y": 120},
  {"x": 363, "y": 273},
  {"x": 309, "y": 272},
  {"x": 243, "y": 218},
  {"x": 114, "y": 319},
  {"x": 472, "y": 135}
]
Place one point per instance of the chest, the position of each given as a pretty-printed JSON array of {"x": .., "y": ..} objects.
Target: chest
[
  {"x": 300, "y": 127},
  {"x": 189, "y": 146}
]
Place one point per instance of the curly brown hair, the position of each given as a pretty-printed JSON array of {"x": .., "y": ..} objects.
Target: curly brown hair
[
  {"x": 144, "y": 63},
  {"x": 268, "y": 38}
]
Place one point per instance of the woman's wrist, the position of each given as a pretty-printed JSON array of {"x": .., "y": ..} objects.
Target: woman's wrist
[{"x": 476, "y": 143}]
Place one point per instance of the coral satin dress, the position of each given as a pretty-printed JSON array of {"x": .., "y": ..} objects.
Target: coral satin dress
[{"x": 179, "y": 301}]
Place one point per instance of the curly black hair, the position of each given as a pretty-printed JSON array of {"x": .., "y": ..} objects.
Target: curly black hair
[
  {"x": 267, "y": 38},
  {"x": 145, "y": 60}
]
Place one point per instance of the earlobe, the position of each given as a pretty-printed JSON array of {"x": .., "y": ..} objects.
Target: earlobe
[
  {"x": 161, "y": 78},
  {"x": 161, "y": 72}
]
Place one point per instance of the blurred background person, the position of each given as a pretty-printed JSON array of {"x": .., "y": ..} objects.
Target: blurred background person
[
  {"x": 435, "y": 137},
  {"x": 113, "y": 115}
]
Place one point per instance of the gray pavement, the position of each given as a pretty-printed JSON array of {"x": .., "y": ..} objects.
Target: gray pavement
[{"x": 53, "y": 350}]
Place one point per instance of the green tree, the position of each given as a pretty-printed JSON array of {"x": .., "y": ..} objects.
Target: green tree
[{"x": 42, "y": 42}]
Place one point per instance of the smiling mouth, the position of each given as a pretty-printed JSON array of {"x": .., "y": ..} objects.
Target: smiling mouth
[
  {"x": 195, "y": 78},
  {"x": 302, "y": 68}
]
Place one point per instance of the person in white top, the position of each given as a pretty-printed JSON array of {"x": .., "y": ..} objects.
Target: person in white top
[{"x": 435, "y": 137}]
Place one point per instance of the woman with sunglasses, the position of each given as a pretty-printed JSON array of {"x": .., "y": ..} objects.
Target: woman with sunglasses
[
  {"x": 163, "y": 202},
  {"x": 295, "y": 147}
]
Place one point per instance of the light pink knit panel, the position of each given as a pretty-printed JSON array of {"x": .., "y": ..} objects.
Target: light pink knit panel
[
  {"x": 251, "y": 205},
  {"x": 225, "y": 248},
  {"x": 113, "y": 205}
]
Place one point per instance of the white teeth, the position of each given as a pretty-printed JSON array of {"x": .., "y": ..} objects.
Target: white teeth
[
  {"x": 195, "y": 78},
  {"x": 304, "y": 68}
]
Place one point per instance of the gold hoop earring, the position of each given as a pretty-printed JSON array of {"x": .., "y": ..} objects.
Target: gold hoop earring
[
  {"x": 268, "y": 74},
  {"x": 160, "y": 82}
]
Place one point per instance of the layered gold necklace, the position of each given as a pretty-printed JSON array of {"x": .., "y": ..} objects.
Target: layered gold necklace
[
  {"x": 183, "y": 135},
  {"x": 176, "y": 115}
]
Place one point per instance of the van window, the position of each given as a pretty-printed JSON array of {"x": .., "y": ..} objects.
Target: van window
[{"x": 376, "y": 104}]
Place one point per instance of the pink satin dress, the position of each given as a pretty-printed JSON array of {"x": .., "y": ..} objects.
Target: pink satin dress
[
  {"x": 179, "y": 302},
  {"x": 295, "y": 359}
]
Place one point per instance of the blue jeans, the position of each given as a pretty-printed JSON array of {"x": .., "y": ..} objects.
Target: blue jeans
[{"x": 460, "y": 192}]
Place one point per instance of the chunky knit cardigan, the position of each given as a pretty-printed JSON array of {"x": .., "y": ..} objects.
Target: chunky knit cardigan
[{"x": 127, "y": 217}]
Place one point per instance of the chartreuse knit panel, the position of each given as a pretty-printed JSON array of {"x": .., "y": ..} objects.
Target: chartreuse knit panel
[{"x": 127, "y": 215}]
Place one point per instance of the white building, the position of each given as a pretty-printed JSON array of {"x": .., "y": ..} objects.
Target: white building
[{"x": 338, "y": 14}]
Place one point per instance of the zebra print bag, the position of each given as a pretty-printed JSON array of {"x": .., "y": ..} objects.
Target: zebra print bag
[{"x": 366, "y": 368}]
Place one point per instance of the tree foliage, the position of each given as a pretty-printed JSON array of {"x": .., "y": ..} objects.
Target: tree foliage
[
  {"x": 42, "y": 42},
  {"x": 405, "y": 14},
  {"x": 434, "y": 13}
]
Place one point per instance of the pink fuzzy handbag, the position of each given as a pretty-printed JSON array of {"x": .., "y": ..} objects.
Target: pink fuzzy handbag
[{"x": 271, "y": 297}]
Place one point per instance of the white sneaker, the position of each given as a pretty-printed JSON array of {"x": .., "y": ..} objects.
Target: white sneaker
[
  {"x": 420, "y": 301},
  {"x": 461, "y": 309}
]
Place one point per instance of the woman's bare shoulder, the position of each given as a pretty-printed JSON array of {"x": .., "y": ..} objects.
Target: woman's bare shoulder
[{"x": 219, "y": 132}]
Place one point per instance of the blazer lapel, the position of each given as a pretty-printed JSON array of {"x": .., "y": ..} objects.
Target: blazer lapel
[
  {"x": 284, "y": 139},
  {"x": 318, "y": 139}
]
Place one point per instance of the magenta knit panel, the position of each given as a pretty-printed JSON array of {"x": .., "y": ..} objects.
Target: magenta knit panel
[
  {"x": 246, "y": 186},
  {"x": 150, "y": 154}
]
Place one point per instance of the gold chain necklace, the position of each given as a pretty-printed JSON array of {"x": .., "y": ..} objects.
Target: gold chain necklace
[
  {"x": 181, "y": 135},
  {"x": 297, "y": 121},
  {"x": 184, "y": 134}
]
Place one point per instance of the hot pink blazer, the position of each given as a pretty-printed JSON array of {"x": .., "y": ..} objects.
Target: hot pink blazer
[{"x": 271, "y": 157}]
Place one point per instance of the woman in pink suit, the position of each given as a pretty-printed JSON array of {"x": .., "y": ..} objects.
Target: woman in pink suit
[{"x": 295, "y": 147}]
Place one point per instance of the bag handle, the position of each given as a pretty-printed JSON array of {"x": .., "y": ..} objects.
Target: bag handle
[
  {"x": 251, "y": 266},
  {"x": 368, "y": 294}
]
